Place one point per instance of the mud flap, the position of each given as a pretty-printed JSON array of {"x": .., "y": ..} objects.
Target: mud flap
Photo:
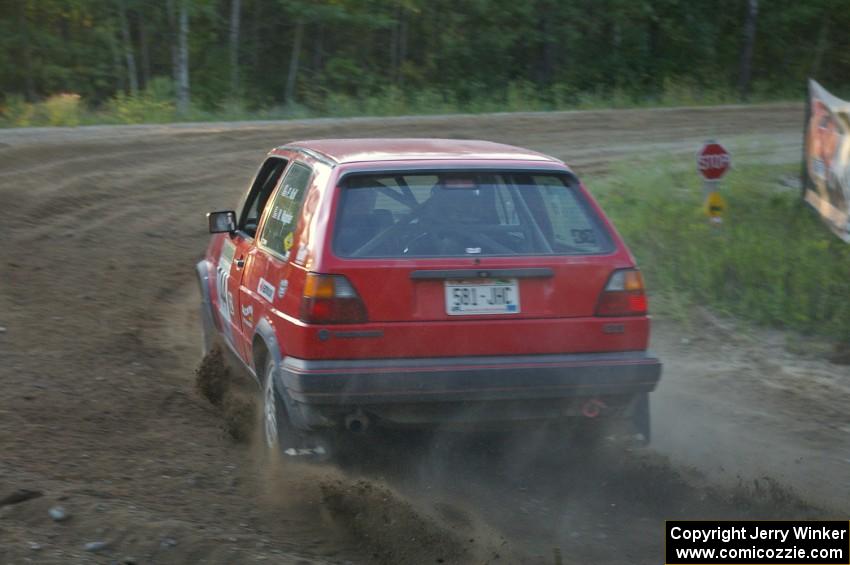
[
  {"x": 209, "y": 327},
  {"x": 640, "y": 417}
]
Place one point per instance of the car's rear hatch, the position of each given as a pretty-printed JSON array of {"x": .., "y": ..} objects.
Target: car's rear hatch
[{"x": 455, "y": 263}]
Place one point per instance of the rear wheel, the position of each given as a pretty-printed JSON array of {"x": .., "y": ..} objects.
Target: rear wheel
[{"x": 278, "y": 432}]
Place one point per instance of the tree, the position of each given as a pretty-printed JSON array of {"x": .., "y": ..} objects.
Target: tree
[
  {"x": 144, "y": 46},
  {"x": 483, "y": 51},
  {"x": 746, "y": 65},
  {"x": 171, "y": 15},
  {"x": 235, "y": 13},
  {"x": 23, "y": 28},
  {"x": 182, "y": 70},
  {"x": 127, "y": 45},
  {"x": 294, "y": 58}
]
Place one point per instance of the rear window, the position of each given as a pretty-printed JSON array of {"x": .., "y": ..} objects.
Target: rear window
[{"x": 465, "y": 214}]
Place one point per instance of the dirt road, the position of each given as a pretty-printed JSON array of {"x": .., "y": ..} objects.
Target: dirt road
[{"x": 99, "y": 414}]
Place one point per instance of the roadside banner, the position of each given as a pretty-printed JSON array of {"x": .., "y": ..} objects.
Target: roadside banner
[{"x": 826, "y": 154}]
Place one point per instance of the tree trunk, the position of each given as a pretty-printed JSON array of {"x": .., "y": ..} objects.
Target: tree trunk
[
  {"x": 398, "y": 44},
  {"x": 171, "y": 12},
  {"x": 129, "y": 56},
  {"x": 402, "y": 47},
  {"x": 117, "y": 66},
  {"x": 183, "y": 59},
  {"x": 144, "y": 46},
  {"x": 235, "y": 13},
  {"x": 318, "y": 49},
  {"x": 256, "y": 40},
  {"x": 29, "y": 85},
  {"x": 746, "y": 67},
  {"x": 823, "y": 43},
  {"x": 547, "y": 49},
  {"x": 394, "y": 46},
  {"x": 292, "y": 76}
]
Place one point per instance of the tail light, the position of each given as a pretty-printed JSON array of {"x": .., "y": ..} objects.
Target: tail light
[
  {"x": 330, "y": 299},
  {"x": 623, "y": 295}
]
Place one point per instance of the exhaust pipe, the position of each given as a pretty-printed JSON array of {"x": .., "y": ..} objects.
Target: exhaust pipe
[
  {"x": 357, "y": 422},
  {"x": 593, "y": 408}
]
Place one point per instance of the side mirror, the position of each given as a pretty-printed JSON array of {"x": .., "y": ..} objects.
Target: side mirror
[{"x": 222, "y": 222}]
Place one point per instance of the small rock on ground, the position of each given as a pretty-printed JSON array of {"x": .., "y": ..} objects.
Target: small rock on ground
[
  {"x": 58, "y": 514},
  {"x": 96, "y": 545}
]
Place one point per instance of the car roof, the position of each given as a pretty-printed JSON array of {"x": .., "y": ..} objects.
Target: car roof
[{"x": 413, "y": 149}]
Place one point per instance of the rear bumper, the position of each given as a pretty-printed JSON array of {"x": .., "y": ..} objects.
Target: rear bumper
[{"x": 468, "y": 379}]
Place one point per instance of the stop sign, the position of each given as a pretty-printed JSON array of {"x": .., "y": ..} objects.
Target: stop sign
[{"x": 713, "y": 161}]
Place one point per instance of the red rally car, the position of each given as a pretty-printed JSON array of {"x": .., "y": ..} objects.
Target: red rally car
[{"x": 425, "y": 282}]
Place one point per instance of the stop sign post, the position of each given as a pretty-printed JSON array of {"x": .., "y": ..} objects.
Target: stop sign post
[{"x": 713, "y": 161}]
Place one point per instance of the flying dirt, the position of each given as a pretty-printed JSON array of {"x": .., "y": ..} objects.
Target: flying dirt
[{"x": 101, "y": 415}]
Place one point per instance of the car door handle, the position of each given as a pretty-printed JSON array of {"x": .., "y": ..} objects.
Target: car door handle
[{"x": 240, "y": 263}]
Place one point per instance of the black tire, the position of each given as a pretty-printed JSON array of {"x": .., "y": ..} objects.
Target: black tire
[
  {"x": 277, "y": 429},
  {"x": 279, "y": 434}
]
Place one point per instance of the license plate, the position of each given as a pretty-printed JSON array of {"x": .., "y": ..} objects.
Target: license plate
[{"x": 490, "y": 296}]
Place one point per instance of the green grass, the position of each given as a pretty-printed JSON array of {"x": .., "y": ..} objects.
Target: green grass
[{"x": 772, "y": 262}]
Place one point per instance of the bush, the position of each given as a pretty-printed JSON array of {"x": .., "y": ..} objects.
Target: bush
[
  {"x": 58, "y": 110},
  {"x": 153, "y": 105},
  {"x": 772, "y": 261},
  {"x": 350, "y": 94},
  {"x": 17, "y": 112},
  {"x": 62, "y": 109}
]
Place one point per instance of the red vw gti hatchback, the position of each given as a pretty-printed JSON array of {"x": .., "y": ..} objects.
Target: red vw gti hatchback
[{"x": 422, "y": 283}]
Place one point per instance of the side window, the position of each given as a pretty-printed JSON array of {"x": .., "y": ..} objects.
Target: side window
[
  {"x": 285, "y": 209},
  {"x": 263, "y": 186}
]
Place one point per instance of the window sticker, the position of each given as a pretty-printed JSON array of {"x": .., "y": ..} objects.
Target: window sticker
[{"x": 582, "y": 236}]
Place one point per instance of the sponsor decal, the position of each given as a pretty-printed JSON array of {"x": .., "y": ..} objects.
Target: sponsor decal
[
  {"x": 248, "y": 315},
  {"x": 265, "y": 289},
  {"x": 281, "y": 288}
]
